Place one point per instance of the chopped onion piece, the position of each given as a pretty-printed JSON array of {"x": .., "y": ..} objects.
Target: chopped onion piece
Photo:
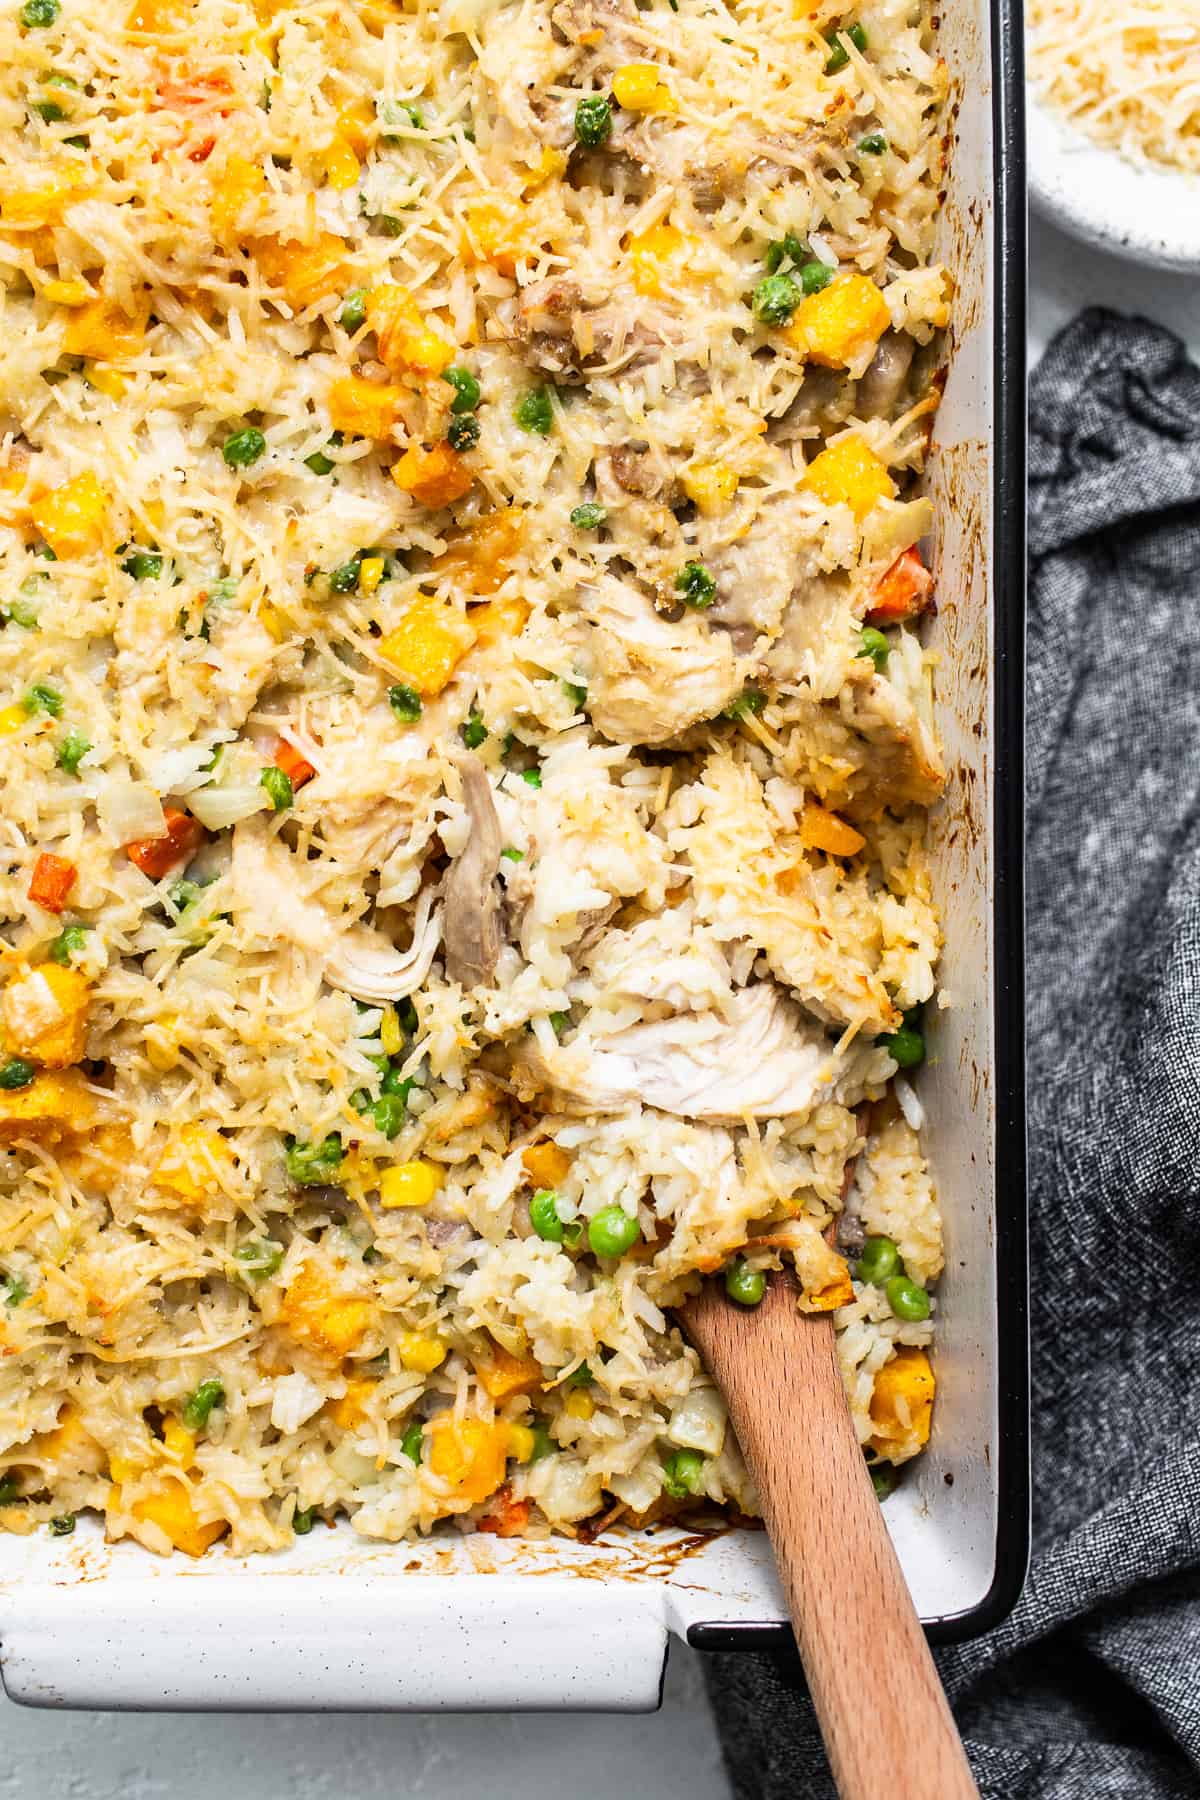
[
  {"x": 129, "y": 810},
  {"x": 698, "y": 1422}
]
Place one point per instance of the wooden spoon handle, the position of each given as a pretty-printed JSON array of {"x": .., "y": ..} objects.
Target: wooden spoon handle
[{"x": 887, "y": 1727}]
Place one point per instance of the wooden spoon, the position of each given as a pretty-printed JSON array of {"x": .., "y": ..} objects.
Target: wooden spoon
[{"x": 883, "y": 1715}]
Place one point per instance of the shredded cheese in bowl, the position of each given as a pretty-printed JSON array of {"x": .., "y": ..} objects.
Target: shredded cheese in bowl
[{"x": 1126, "y": 76}]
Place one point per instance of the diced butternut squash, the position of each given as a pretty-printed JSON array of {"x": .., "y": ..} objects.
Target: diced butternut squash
[
  {"x": 902, "y": 1404},
  {"x": 659, "y": 258},
  {"x": 495, "y": 233},
  {"x": 504, "y": 1374},
  {"x": 172, "y": 1511},
  {"x": 545, "y": 1164},
  {"x": 70, "y": 1449},
  {"x": 849, "y": 474},
  {"x": 428, "y": 644},
  {"x": 305, "y": 273},
  {"x": 179, "y": 1444},
  {"x": 482, "y": 555},
  {"x": 468, "y": 1454},
  {"x": 71, "y": 517},
  {"x": 500, "y": 621},
  {"x": 837, "y": 1291},
  {"x": 837, "y": 325},
  {"x": 351, "y": 1409},
  {"x": 409, "y": 1184},
  {"x": 363, "y": 408},
  {"x": 196, "y": 1162},
  {"x": 333, "y": 1322},
  {"x": 436, "y": 477},
  {"x": 640, "y": 88},
  {"x": 821, "y": 830},
  {"x": 41, "y": 206},
  {"x": 45, "y": 1015},
  {"x": 420, "y": 1351},
  {"x": 52, "y": 1106},
  {"x": 902, "y": 591},
  {"x": 236, "y": 195},
  {"x": 407, "y": 341},
  {"x": 51, "y": 882},
  {"x": 506, "y": 1517},
  {"x": 710, "y": 486},
  {"x": 102, "y": 330}
]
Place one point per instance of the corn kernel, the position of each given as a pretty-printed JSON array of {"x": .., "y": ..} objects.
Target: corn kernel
[
  {"x": 521, "y": 1442},
  {"x": 850, "y": 474},
  {"x": 76, "y": 292},
  {"x": 902, "y": 1404},
  {"x": 391, "y": 1037},
  {"x": 843, "y": 321},
  {"x": 822, "y": 830},
  {"x": 710, "y": 486},
  {"x": 340, "y": 163},
  {"x": 436, "y": 477},
  {"x": 71, "y": 517},
  {"x": 546, "y": 1165},
  {"x": 363, "y": 407},
  {"x": 579, "y": 1404},
  {"x": 179, "y": 1443},
  {"x": 351, "y": 1409},
  {"x": 107, "y": 381},
  {"x": 409, "y": 1184},
  {"x": 123, "y": 1468},
  {"x": 370, "y": 573},
  {"x": 639, "y": 87},
  {"x": 242, "y": 183},
  {"x": 419, "y": 1353},
  {"x": 428, "y": 644},
  {"x": 468, "y": 1454},
  {"x": 12, "y": 719},
  {"x": 355, "y": 121}
]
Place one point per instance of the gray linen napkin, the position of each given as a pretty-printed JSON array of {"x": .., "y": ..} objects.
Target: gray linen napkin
[{"x": 1092, "y": 1688}]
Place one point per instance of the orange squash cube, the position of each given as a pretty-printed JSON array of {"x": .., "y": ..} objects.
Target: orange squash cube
[
  {"x": 850, "y": 474},
  {"x": 504, "y": 1374},
  {"x": 306, "y": 273},
  {"x": 363, "y": 408},
  {"x": 902, "y": 1404},
  {"x": 71, "y": 517},
  {"x": 837, "y": 325},
  {"x": 436, "y": 477},
  {"x": 428, "y": 644},
  {"x": 172, "y": 1511},
  {"x": 468, "y": 1454}
]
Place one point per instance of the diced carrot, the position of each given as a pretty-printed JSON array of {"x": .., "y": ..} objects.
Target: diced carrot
[
  {"x": 52, "y": 880},
  {"x": 902, "y": 591},
  {"x": 507, "y": 1517},
  {"x": 297, "y": 768},
  {"x": 156, "y": 857},
  {"x": 822, "y": 830}
]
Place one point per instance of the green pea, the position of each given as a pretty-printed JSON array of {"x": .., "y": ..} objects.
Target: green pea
[
  {"x": 744, "y": 1284},
  {"x": 872, "y": 643},
  {"x": 72, "y": 751},
  {"x": 43, "y": 698},
  {"x": 143, "y": 565},
  {"x": 683, "y": 1474},
  {"x": 463, "y": 433},
  {"x": 788, "y": 248},
  {"x": 10, "y": 1489},
  {"x": 816, "y": 275},
  {"x": 543, "y": 1443},
  {"x": 405, "y": 702},
  {"x": 389, "y": 1113},
  {"x": 71, "y": 940},
  {"x": 395, "y": 1083},
  {"x": 750, "y": 700},
  {"x": 580, "y": 1377},
  {"x": 199, "y": 1409},
  {"x": 303, "y": 1519},
  {"x": 63, "y": 1525},
  {"x": 39, "y": 13},
  {"x": 589, "y": 516},
  {"x": 467, "y": 390},
  {"x": 907, "y": 1299},
  {"x": 880, "y": 1259},
  {"x": 319, "y": 463},
  {"x": 905, "y": 1047},
  {"x": 838, "y": 56},
  {"x": 312, "y": 1165},
  {"x": 279, "y": 788},
  {"x": 410, "y": 1443},
  {"x": 883, "y": 1479},
  {"x": 775, "y": 299},
  {"x": 260, "y": 1259},
  {"x": 243, "y": 448},
  {"x": 534, "y": 411},
  {"x": 48, "y": 111},
  {"x": 532, "y": 777},
  {"x": 473, "y": 731},
  {"x": 874, "y": 144},
  {"x": 18, "y": 1290},
  {"x": 512, "y": 855},
  {"x": 353, "y": 315},
  {"x": 612, "y": 1232},
  {"x": 16, "y": 1072},
  {"x": 593, "y": 121},
  {"x": 344, "y": 579},
  {"x": 543, "y": 1216},
  {"x": 406, "y": 1012},
  {"x": 576, "y": 693},
  {"x": 696, "y": 585}
]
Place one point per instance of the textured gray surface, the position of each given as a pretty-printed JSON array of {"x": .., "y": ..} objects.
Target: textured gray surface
[{"x": 57, "y": 1756}]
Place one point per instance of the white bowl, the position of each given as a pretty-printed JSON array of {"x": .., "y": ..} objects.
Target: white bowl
[{"x": 1138, "y": 211}]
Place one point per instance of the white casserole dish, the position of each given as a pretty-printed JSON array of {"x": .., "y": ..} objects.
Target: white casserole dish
[{"x": 483, "y": 1623}]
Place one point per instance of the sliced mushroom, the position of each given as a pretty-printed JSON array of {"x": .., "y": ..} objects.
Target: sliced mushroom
[{"x": 472, "y": 896}]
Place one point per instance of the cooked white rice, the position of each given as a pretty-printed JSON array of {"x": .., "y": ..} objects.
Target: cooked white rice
[{"x": 577, "y": 887}]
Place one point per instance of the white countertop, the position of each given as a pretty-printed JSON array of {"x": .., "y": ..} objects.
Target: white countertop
[{"x": 96, "y": 1756}]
